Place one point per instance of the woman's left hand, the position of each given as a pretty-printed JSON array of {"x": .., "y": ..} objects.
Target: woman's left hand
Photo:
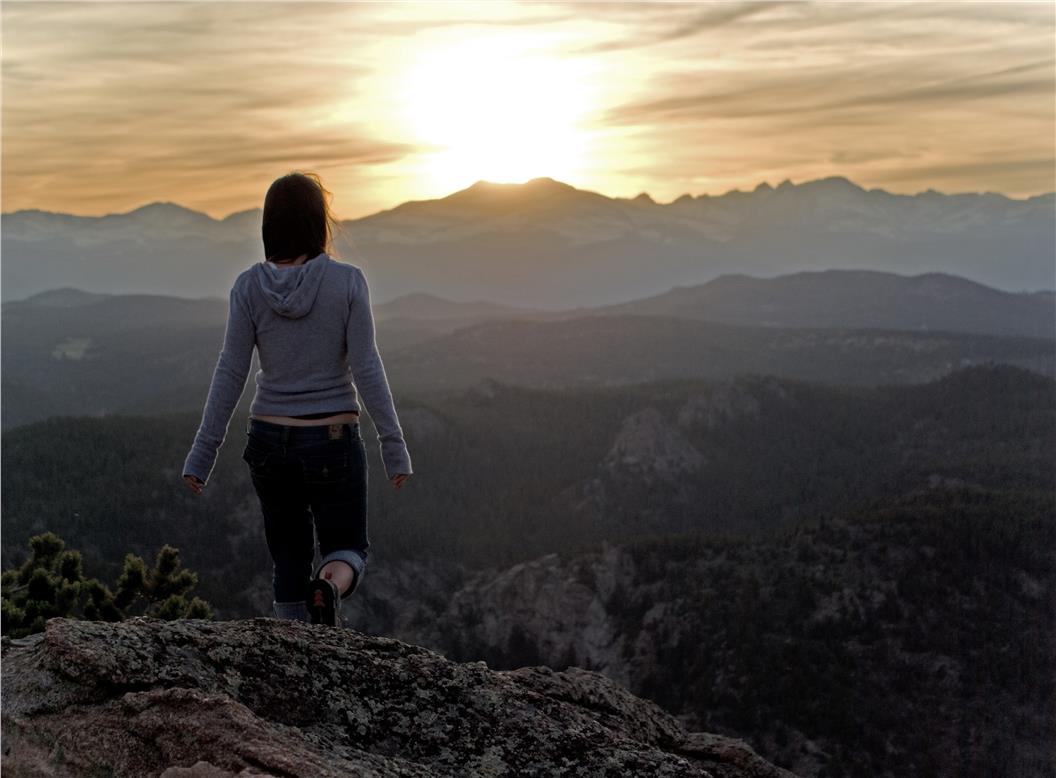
[
  {"x": 193, "y": 483},
  {"x": 399, "y": 478}
]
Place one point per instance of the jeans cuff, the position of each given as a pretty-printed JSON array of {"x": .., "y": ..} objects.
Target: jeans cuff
[
  {"x": 293, "y": 611},
  {"x": 356, "y": 558}
]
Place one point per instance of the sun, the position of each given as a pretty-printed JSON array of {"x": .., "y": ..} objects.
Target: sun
[{"x": 489, "y": 108}]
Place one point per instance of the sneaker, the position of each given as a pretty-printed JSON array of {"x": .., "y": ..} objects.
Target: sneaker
[{"x": 323, "y": 602}]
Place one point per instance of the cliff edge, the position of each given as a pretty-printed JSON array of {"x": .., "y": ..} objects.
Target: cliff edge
[{"x": 260, "y": 697}]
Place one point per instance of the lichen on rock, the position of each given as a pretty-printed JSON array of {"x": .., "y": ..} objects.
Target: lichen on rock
[{"x": 194, "y": 698}]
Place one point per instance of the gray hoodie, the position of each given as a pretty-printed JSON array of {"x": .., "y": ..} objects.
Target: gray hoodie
[
  {"x": 290, "y": 291},
  {"x": 313, "y": 329}
]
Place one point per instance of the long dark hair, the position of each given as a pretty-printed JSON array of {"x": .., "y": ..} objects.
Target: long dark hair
[{"x": 297, "y": 218}]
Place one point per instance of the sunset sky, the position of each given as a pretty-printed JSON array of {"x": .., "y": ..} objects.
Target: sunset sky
[{"x": 108, "y": 106}]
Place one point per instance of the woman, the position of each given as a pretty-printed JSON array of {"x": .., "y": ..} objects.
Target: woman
[{"x": 309, "y": 318}]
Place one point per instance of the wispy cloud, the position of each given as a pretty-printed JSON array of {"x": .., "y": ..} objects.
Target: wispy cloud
[
  {"x": 717, "y": 16},
  {"x": 813, "y": 92}
]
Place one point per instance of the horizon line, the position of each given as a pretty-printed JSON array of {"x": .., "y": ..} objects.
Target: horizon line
[{"x": 763, "y": 185}]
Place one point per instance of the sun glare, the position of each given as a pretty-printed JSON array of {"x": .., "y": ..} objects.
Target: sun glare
[{"x": 488, "y": 109}]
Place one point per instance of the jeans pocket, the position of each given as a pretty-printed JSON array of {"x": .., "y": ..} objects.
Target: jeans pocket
[
  {"x": 327, "y": 464},
  {"x": 256, "y": 456}
]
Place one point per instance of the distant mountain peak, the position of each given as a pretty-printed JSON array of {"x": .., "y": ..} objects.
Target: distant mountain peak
[
  {"x": 244, "y": 214},
  {"x": 827, "y": 184},
  {"x": 643, "y": 197},
  {"x": 65, "y": 297},
  {"x": 161, "y": 208},
  {"x": 418, "y": 297},
  {"x": 547, "y": 181},
  {"x": 833, "y": 183},
  {"x": 541, "y": 182},
  {"x": 485, "y": 192}
]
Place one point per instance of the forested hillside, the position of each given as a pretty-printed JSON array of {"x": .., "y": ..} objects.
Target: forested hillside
[
  {"x": 504, "y": 474},
  {"x": 912, "y": 636},
  {"x": 859, "y": 581}
]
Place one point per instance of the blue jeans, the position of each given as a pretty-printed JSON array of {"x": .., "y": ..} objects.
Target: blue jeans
[{"x": 302, "y": 474}]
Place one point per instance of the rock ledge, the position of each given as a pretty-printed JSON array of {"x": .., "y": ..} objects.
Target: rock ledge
[{"x": 260, "y": 697}]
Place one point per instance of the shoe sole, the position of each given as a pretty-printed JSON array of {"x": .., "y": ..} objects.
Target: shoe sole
[{"x": 322, "y": 602}]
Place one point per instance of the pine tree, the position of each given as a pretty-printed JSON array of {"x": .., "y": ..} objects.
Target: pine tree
[{"x": 51, "y": 583}]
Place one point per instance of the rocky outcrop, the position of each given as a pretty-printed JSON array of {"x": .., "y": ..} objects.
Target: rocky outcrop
[
  {"x": 725, "y": 402},
  {"x": 553, "y": 610},
  {"x": 649, "y": 445},
  {"x": 543, "y": 611},
  {"x": 265, "y": 697}
]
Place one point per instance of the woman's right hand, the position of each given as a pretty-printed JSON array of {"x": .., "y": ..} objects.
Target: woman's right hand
[{"x": 398, "y": 479}]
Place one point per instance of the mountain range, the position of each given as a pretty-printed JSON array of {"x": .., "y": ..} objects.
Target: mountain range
[
  {"x": 67, "y": 351},
  {"x": 546, "y": 244}
]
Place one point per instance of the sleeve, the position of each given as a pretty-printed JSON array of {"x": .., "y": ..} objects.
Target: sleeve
[
  {"x": 229, "y": 381},
  {"x": 368, "y": 374}
]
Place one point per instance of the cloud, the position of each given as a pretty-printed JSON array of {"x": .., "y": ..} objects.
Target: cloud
[
  {"x": 781, "y": 95},
  {"x": 971, "y": 171},
  {"x": 712, "y": 19},
  {"x": 122, "y": 103}
]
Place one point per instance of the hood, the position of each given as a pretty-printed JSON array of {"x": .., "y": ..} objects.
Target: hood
[{"x": 291, "y": 291}]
